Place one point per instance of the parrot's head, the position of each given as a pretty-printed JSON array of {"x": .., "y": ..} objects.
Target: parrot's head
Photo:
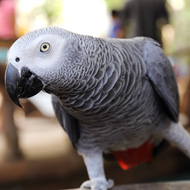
[{"x": 37, "y": 60}]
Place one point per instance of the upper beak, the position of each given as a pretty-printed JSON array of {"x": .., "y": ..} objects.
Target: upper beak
[{"x": 24, "y": 85}]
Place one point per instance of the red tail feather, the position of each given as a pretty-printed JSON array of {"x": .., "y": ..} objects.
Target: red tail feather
[{"x": 132, "y": 157}]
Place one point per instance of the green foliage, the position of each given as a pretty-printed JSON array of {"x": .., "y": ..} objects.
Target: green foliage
[
  {"x": 114, "y": 4},
  {"x": 180, "y": 21},
  {"x": 52, "y": 9}
]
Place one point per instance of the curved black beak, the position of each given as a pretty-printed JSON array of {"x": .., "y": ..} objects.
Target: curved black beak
[{"x": 24, "y": 85}]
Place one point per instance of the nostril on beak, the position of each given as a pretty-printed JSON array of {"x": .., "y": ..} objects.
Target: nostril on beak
[{"x": 17, "y": 59}]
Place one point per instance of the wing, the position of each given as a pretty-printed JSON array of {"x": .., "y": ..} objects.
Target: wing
[
  {"x": 161, "y": 76},
  {"x": 68, "y": 122}
]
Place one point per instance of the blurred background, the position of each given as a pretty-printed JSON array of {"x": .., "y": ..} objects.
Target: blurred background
[{"x": 35, "y": 153}]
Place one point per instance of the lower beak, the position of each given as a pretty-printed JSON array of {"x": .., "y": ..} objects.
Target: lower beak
[{"x": 24, "y": 85}]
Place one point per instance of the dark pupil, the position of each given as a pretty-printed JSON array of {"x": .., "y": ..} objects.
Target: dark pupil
[{"x": 45, "y": 46}]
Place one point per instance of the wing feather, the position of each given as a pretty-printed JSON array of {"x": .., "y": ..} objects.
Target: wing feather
[
  {"x": 68, "y": 122},
  {"x": 162, "y": 78}
]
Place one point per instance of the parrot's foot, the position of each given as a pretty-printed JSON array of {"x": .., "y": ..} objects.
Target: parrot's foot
[{"x": 97, "y": 184}]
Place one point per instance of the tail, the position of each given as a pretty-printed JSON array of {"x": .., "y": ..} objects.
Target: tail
[{"x": 175, "y": 134}]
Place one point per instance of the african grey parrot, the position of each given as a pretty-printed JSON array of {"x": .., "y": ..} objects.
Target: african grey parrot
[{"x": 116, "y": 96}]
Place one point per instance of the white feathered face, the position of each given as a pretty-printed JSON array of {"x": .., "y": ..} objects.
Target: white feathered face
[
  {"x": 34, "y": 62},
  {"x": 42, "y": 52}
]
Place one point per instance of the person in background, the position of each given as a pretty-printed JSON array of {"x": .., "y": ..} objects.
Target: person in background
[
  {"x": 147, "y": 17},
  {"x": 116, "y": 30},
  {"x": 7, "y": 19}
]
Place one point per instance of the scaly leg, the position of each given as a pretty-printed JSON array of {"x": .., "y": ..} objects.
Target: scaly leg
[{"x": 94, "y": 164}]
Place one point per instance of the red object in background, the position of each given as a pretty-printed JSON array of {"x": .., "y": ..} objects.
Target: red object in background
[
  {"x": 7, "y": 19},
  {"x": 132, "y": 157}
]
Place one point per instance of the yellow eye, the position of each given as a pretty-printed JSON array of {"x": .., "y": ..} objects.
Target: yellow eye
[{"x": 44, "y": 47}]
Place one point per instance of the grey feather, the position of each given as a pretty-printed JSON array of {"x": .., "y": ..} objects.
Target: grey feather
[
  {"x": 102, "y": 83},
  {"x": 108, "y": 94},
  {"x": 68, "y": 122},
  {"x": 160, "y": 73}
]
